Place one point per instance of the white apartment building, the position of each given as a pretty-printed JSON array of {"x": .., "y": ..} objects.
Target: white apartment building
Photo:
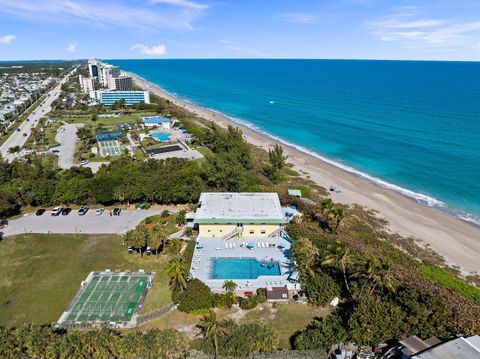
[{"x": 87, "y": 84}]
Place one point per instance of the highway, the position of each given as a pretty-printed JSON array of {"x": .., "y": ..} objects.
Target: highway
[{"x": 20, "y": 136}]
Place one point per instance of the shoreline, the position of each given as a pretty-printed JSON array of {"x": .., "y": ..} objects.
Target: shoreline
[{"x": 451, "y": 237}]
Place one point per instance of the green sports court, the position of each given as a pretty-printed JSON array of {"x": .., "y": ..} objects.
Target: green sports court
[
  {"x": 108, "y": 297},
  {"x": 110, "y": 148}
]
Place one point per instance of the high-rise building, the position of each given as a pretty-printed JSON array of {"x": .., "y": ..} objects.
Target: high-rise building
[
  {"x": 121, "y": 83},
  {"x": 87, "y": 84}
]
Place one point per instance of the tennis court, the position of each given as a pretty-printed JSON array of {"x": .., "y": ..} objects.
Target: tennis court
[
  {"x": 110, "y": 148},
  {"x": 108, "y": 297}
]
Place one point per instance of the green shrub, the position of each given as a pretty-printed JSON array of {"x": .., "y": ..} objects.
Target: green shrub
[
  {"x": 261, "y": 295},
  {"x": 165, "y": 213},
  {"x": 322, "y": 333},
  {"x": 197, "y": 296},
  {"x": 321, "y": 288},
  {"x": 225, "y": 300},
  {"x": 248, "y": 303}
]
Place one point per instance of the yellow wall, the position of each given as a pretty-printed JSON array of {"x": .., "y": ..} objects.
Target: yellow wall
[
  {"x": 220, "y": 230},
  {"x": 215, "y": 230},
  {"x": 258, "y": 228}
]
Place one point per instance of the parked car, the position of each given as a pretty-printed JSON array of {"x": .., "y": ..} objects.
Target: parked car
[
  {"x": 25, "y": 134},
  {"x": 116, "y": 211},
  {"x": 55, "y": 151},
  {"x": 3, "y": 222},
  {"x": 56, "y": 211},
  {"x": 40, "y": 211},
  {"x": 82, "y": 210},
  {"x": 84, "y": 162},
  {"x": 66, "y": 211},
  {"x": 99, "y": 211},
  {"x": 130, "y": 249},
  {"x": 18, "y": 130}
]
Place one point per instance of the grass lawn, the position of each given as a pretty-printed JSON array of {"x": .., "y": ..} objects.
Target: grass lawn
[
  {"x": 40, "y": 274},
  {"x": 286, "y": 318},
  {"x": 451, "y": 282},
  {"x": 51, "y": 133}
]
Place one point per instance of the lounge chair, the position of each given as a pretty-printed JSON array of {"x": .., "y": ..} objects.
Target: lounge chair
[
  {"x": 258, "y": 245},
  {"x": 226, "y": 245}
]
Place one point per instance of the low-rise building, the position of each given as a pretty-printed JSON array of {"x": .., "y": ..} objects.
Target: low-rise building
[
  {"x": 277, "y": 294},
  {"x": 433, "y": 348},
  {"x": 157, "y": 121},
  {"x": 108, "y": 98},
  {"x": 239, "y": 214}
]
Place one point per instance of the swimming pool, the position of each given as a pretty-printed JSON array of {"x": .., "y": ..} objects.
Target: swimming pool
[
  {"x": 242, "y": 268},
  {"x": 161, "y": 136}
]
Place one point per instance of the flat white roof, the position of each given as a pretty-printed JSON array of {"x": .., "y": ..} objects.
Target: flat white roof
[
  {"x": 226, "y": 207},
  {"x": 460, "y": 348}
]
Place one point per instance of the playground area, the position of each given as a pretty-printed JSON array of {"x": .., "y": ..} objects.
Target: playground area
[{"x": 108, "y": 298}]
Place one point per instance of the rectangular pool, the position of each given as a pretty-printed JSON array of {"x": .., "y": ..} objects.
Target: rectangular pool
[{"x": 242, "y": 268}]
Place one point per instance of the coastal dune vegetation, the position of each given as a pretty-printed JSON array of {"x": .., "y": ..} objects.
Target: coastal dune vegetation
[{"x": 387, "y": 287}]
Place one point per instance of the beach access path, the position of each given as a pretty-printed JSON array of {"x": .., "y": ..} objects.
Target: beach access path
[{"x": 457, "y": 241}]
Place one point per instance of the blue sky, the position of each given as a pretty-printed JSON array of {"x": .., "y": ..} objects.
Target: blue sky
[{"x": 359, "y": 29}]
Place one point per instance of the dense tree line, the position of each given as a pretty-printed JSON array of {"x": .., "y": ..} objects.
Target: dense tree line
[
  {"x": 37, "y": 181},
  {"x": 34, "y": 341}
]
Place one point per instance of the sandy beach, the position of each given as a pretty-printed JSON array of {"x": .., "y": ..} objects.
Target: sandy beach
[{"x": 457, "y": 241}]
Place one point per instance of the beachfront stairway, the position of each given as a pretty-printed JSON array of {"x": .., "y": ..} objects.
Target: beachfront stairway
[{"x": 261, "y": 248}]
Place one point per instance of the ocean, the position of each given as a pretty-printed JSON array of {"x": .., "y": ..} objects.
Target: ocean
[{"x": 411, "y": 126}]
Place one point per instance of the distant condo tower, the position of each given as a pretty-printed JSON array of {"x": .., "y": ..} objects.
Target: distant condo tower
[{"x": 105, "y": 76}]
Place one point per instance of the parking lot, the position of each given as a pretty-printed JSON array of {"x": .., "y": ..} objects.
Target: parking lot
[{"x": 90, "y": 223}]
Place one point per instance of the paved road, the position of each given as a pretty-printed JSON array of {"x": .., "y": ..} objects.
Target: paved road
[
  {"x": 17, "y": 138},
  {"x": 73, "y": 223},
  {"x": 67, "y": 138}
]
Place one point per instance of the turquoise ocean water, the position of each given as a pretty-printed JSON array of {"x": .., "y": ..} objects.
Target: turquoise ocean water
[{"x": 410, "y": 126}]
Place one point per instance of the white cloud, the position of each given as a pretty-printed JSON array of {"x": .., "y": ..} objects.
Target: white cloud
[
  {"x": 298, "y": 18},
  {"x": 103, "y": 14},
  {"x": 181, "y": 3},
  {"x": 426, "y": 34},
  {"x": 156, "y": 50},
  {"x": 72, "y": 47},
  {"x": 7, "y": 39}
]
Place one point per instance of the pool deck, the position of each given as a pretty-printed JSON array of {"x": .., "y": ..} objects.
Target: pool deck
[{"x": 215, "y": 248}]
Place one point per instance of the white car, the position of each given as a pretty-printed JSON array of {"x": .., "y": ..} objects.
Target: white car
[
  {"x": 99, "y": 211},
  {"x": 83, "y": 163},
  {"x": 56, "y": 211}
]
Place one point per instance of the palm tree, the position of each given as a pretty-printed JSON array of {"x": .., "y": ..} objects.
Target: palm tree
[
  {"x": 174, "y": 247},
  {"x": 341, "y": 255},
  {"x": 157, "y": 237},
  {"x": 178, "y": 274},
  {"x": 229, "y": 285},
  {"x": 210, "y": 327},
  {"x": 375, "y": 272},
  {"x": 338, "y": 213},
  {"x": 137, "y": 238},
  {"x": 181, "y": 217},
  {"x": 305, "y": 254}
]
